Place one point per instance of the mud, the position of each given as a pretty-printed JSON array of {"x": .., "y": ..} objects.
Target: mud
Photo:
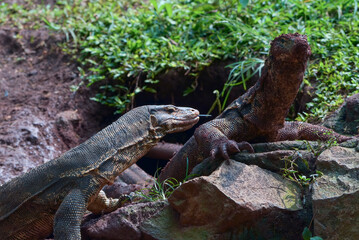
[{"x": 39, "y": 116}]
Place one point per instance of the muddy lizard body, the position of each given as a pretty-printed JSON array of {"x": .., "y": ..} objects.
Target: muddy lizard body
[{"x": 258, "y": 115}]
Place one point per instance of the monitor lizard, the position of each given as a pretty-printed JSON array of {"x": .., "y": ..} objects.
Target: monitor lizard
[
  {"x": 55, "y": 195},
  {"x": 258, "y": 115}
]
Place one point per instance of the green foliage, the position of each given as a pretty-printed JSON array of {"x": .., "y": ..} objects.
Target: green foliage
[
  {"x": 322, "y": 145},
  {"x": 162, "y": 190},
  {"x": 241, "y": 72},
  {"x": 332, "y": 30},
  {"x": 159, "y": 190},
  {"x": 127, "y": 46},
  {"x": 307, "y": 235},
  {"x": 124, "y": 45},
  {"x": 290, "y": 170}
]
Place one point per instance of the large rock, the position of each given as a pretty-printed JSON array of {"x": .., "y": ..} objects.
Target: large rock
[
  {"x": 237, "y": 199},
  {"x": 242, "y": 200},
  {"x": 131, "y": 180},
  {"x": 345, "y": 119},
  {"x": 336, "y": 194},
  {"x": 122, "y": 224},
  {"x": 268, "y": 156},
  {"x": 165, "y": 226}
]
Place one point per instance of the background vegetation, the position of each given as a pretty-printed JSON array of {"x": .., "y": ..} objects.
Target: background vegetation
[{"x": 120, "y": 42}]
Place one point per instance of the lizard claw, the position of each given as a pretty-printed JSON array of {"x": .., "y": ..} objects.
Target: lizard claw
[
  {"x": 214, "y": 153},
  {"x": 245, "y": 146},
  {"x": 224, "y": 151},
  {"x": 123, "y": 199},
  {"x": 229, "y": 147}
]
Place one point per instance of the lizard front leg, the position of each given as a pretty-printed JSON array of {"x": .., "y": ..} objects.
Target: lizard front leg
[
  {"x": 102, "y": 204},
  {"x": 214, "y": 138},
  {"x": 69, "y": 216},
  {"x": 307, "y": 131}
]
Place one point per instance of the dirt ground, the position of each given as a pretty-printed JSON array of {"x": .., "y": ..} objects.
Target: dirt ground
[{"x": 39, "y": 116}]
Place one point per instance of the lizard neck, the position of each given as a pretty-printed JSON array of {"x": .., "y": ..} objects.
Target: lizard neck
[
  {"x": 274, "y": 93},
  {"x": 124, "y": 157}
]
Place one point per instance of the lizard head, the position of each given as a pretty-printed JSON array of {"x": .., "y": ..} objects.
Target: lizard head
[
  {"x": 290, "y": 48},
  {"x": 171, "y": 119}
]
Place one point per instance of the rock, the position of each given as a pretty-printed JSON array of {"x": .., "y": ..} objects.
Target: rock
[
  {"x": 122, "y": 224},
  {"x": 135, "y": 175},
  {"x": 274, "y": 160},
  {"x": 165, "y": 225},
  {"x": 345, "y": 119},
  {"x": 336, "y": 194},
  {"x": 118, "y": 188},
  {"x": 68, "y": 117},
  {"x": 32, "y": 73},
  {"x": 267, "y": 156},
  {"x": 282, "y": 145},
  {"x": 131, "y": 180},
  {"x": 241, "y": 200},
  {"x": 67, "y": 124},
  {"x": 238, "y": 198},
  {"x": 23, "y": 145}
]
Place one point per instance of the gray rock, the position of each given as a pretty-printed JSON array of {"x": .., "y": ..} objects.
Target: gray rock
[
  {"x": 67, "y": 118},
  {"x": 267, "y": 156},
  {"x": 122, "y": 224},
  {"x": 336, "y": 194},
  {"x": 240, "y": 199},
  {"x": 135, "y": 175},
  {"x": 165, "y": 226},
  {"x": 345, "y": 119},
  {"x": 237, "y": 199},
  {"x": 131, "y": 180}
]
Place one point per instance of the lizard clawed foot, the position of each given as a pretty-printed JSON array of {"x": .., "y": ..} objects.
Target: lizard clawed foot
[
  {"x": 228, "y": 147},
  {"x": 245, "y": 146},
  {"x": 124, "y": 199}
]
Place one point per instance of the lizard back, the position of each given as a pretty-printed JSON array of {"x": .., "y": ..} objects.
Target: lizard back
[{"x": 88, "y": 155}]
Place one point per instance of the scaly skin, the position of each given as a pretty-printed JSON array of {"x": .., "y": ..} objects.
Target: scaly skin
[
  {"x": 57, "y": 194},
  {"x": 258, "y": 115}
]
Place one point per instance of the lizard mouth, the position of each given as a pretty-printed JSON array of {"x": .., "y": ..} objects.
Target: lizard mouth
[{"x": 179, "y": 125}]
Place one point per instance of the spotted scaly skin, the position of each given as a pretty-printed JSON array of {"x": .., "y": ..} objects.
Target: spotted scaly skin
[
  {"x": 55, "y": 196},
  {"x": 258, "y": 115}
]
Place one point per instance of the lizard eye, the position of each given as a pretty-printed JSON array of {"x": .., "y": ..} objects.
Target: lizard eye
[{"x": 171, "y": 109}]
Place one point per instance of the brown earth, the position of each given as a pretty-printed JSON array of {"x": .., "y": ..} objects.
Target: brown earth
[{"x": 39, "y": 116}]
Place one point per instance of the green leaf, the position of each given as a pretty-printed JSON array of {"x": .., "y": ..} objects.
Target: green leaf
[
  {"x": 306, "y": 234},
  {"x": 316, "y": 238},
  {"x": 155, "y": 5},
  {"x": 244, "y": 3},
  {"x": 52, "y": 26},
  {"x": 151, "y": 90},
  {"x": 168, "y": 7}
]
